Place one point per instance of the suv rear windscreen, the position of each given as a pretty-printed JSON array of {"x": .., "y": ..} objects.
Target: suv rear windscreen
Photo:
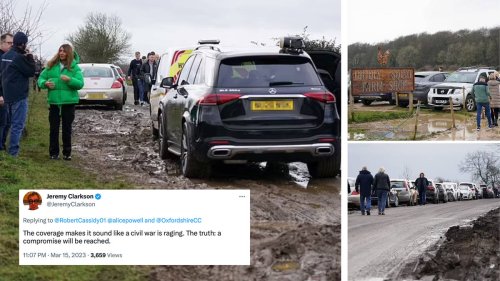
[{"x": 266, "y": 71}]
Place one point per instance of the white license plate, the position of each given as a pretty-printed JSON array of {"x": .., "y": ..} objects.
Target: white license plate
[{"x": 441, "y": 101}]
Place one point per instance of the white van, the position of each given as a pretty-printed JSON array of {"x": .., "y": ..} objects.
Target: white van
[{"x": 170, "y": 65}]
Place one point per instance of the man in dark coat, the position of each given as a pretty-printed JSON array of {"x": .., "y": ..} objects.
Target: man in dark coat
[
  {"x": 421, "y": 183},
  {"x": 149, "y": 68},
  {"x": 17, "y": 67},
  {"x": 134, "y": 72},
  {"x": 382, "y": 184},
  {"x": 6, "y": 41},
  {"x": 364, "y": 183}
]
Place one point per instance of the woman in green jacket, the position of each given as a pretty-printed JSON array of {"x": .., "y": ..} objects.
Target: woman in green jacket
[{"x": 63, "y": 78}]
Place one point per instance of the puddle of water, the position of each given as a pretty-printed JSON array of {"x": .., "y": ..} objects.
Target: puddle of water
[
  {"x": 295, "y": 176},
  {"x": 429, "y": 127},
  {"x": 285, "y": 266}
]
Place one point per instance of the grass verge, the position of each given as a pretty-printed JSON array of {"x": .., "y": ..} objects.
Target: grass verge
[
  {"x": 33, "y": 170},
  {"x": 372, "y": 116}
]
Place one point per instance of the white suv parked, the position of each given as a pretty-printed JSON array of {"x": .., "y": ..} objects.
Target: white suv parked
[
  {"x": 467, "y": 190},
  {"x": 463, "y": 78}
]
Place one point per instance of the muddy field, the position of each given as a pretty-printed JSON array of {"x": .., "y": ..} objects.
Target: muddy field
[
  {"x": 431, "y": 126},
  {"x": 295, "y": 221},
  {"x": 468, "y": 252}
]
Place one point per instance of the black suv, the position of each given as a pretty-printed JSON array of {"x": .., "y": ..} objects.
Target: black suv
[{"x": 252, "y": 106}]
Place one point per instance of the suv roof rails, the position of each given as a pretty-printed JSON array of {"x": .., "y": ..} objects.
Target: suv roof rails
[
  {"x": 476, "y": 67},
  {"x": 208, "y": 47}
]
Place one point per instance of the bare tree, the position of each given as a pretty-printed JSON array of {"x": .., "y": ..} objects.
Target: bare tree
[
  {"x": 310, "y": 44},
  {"x": 319, "y": 44},
  {"x": 28, "y": 21},
  {"x": 439, "y": 179},
  {"x": 101, "y": 40},
  {"x": 482, "y": 165},
  {"x": 406, "y": 172}
]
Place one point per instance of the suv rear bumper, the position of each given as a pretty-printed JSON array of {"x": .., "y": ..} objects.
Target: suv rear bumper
[{"x": 226, "y": 152}]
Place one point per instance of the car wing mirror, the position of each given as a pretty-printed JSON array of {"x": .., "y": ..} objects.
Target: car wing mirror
[{"x": 168, "y": 83}]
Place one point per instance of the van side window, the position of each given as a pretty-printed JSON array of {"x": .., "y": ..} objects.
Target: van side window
[
  {"x": 194, "y": 69},
  {"x": 185, "y": 71},
  {"x": 162, "y": 66},
  {"x": 200, "y": 74}
]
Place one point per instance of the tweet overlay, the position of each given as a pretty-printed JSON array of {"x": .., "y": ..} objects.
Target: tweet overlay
[{"x": 134, "y": 227}]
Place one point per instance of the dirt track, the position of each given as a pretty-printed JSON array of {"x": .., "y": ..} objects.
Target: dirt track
[
  {"x": 295, "y": 233},
  {"x": 380, "y": 246}
]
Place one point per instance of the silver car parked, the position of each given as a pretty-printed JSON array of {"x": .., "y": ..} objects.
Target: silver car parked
[
  {"x": 402, "y": 187},
  {"x": 101, "y": 85}
]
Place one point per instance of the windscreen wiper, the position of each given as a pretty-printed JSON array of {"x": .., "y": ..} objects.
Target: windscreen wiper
[{"x": 282, "y": 83}]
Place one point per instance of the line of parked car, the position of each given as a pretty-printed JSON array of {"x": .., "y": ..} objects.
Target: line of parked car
[{"x": 404, "y": 191}]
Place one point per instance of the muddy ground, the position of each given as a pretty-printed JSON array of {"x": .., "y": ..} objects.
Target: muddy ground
[
  {"x": 295, "y": 221},
  {"x": 431, "y": 125},
  {"x": 469, "y": 252}
]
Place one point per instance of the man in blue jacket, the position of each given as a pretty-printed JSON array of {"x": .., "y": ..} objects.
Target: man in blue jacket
[
  {"x": 6, "y": 41},
  {"x": 17, "y": 67}
]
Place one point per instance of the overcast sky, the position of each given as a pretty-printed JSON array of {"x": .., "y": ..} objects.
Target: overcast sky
[
  {"x": 383, "y": 20},
  {"x": 156, "y": 25},
  {"x": 433, "y": 159}
]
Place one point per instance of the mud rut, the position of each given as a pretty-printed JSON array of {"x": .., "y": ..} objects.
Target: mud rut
[
  {"x": 470, "y": 252},
  {"x": 295, "y": 221}
]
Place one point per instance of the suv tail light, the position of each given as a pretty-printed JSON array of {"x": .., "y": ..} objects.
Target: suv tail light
[
  {"x": 327, "y": 140},
  {"x": 430, "y": 187},
  {"x": 325, "y": 97},
  {"x": 217, "y": 99},
  {"x": 116, "y": 85}
]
